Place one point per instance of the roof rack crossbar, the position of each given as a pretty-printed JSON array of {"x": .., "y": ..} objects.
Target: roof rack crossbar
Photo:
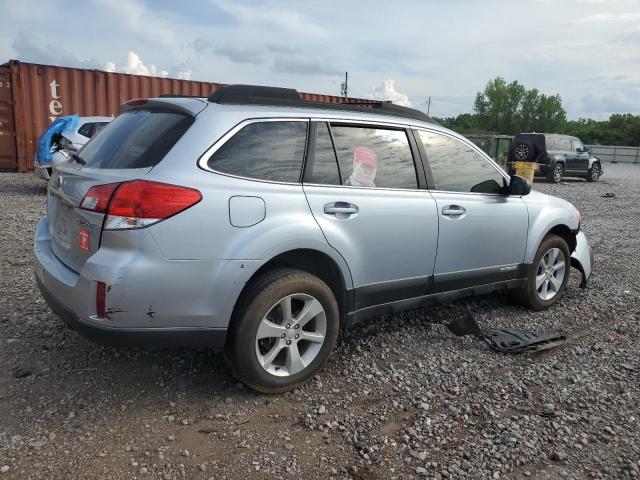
[{"x": 289, "y": 97}]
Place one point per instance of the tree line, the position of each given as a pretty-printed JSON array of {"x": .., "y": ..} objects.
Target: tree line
[{"x": 509, "y": 108}]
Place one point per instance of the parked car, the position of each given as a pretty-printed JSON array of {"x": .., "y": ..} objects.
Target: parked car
[
  {"x": 66, "y": 142},
  {"x": 261, "y": 224},
  {"x": 558, "y": 156}
]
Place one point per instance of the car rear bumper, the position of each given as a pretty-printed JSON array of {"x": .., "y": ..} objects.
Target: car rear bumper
[
  {"x": 582, "y": 258},
  {"x": 72, "y": 297}
]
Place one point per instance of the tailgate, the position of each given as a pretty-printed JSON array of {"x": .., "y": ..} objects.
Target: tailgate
[{"x": 75, "y": 233}]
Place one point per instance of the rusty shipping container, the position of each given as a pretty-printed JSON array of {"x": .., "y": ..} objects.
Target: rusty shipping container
[{"x": 32, "y": 96}]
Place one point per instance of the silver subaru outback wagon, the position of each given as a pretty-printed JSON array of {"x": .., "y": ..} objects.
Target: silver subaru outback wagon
[{"x": 262, "y": 224}]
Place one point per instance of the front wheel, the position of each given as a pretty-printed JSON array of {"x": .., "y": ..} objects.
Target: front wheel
[
  {"x": 548, "y": 275},
  {"x": 285, "y": 327},
  {"x": 593, "y": 174}
]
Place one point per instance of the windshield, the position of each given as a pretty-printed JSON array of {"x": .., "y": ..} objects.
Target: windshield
[{"x": 135, "y": 139}]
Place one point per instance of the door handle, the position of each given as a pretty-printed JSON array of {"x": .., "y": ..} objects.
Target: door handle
[
  {"x": 453, "y": 210},
  {"x": 341, "y": 208}
]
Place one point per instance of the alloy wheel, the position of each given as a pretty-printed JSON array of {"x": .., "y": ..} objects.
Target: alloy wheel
[
  {"x": 595, "y": 172},
  {"x": 550, "y": 274},
  {"x": 291, "y": 334},
  {"x": 557, "y": 173},
  {"x": 521, "y": 152}
]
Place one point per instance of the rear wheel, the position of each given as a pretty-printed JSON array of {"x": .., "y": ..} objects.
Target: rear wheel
[
  {"x": 549, "y": 274},
  {"x": 557, "y": 173},
  {"x": 594, "y": 172},
  {"x": 284, "y": 330}
]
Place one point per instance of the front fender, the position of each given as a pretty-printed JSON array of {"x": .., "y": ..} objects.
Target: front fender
[{"x": 545, "y": 213}]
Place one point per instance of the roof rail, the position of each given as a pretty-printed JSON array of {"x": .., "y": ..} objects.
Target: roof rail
[{"x": 289, "y": 97}]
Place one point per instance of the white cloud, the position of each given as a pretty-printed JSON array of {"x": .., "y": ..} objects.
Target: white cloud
[
  {"x": 30, "y": 48},
  {"x": 610, "y": 17},
  {"x": 269, "y": 15},
  {"x": 134, "y": 16},
  {"x": 387, "y": 91},
  {"x": 134, "y": 65}
]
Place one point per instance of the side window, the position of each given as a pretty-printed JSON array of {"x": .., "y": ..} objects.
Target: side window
[
  {"x": 99, "y": 126},
  {"x": 564, "y": 144},
  {"x": 374, "y": 157},
  {"x": 86, "y": 130},
  {"x": 264, "y": 150},
  {"x": 457, "y": 167},
  {"x": 325, "y": 164},
  {"x": 551, "y": 143},
  {"x": 575, "y": 143}
]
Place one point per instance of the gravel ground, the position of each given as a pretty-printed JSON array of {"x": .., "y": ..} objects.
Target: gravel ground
[{"x": 400, "y": 397}]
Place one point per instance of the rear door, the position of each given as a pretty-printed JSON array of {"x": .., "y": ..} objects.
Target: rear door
[
  {"x": 372, "y": 207},
  {"x": 127, "y": 149},
  {"x": 482, "y": 232}
]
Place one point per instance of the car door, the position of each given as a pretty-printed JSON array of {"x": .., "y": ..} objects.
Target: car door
[
  {"x": 372, "y": 205},
  {"x": 580, "y": 159},
  {"x": 482, "y": 231}
]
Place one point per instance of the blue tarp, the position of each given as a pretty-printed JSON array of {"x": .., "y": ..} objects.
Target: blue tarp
[{"x": 59, "y": 125}]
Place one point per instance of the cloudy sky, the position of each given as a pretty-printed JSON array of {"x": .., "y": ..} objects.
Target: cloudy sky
[{"x": 588, "y": 51}]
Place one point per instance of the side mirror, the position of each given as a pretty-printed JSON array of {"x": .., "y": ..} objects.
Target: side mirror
[{"x": 519, "y": 186}]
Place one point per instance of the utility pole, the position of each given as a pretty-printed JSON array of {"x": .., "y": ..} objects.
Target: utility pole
[
  {"x": 344, "y": 87},
  {"x": 428, "y": 105}
]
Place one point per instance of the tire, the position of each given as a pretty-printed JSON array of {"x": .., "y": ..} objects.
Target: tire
[
  {"x": 593, "y": 174},
  {"x": 557, "y": 174},
  {"x": 270, "y": 365},
  {"x": 534, "y": 294},
  {"x": 522, "y": 152}
]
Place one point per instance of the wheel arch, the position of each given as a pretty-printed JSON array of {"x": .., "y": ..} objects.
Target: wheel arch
[
  {"x": 312, "y": 261},
  {"x": 560, "y": 229}
]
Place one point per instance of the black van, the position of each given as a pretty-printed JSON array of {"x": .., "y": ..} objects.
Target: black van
[{"x": 557, "y": 155}]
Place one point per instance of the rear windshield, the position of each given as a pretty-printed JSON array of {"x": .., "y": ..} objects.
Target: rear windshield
[{"x": 136, "y": 139}]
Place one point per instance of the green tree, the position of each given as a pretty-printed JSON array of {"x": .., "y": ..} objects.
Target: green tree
[
  {"x": 509, "y": 108},
  {"x": 619, "y": 129}
]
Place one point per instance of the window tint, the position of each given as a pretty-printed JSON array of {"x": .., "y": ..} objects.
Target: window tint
[
  {"x": 562, "y": 143},
  {"x": 457, "y": 167},
  {"x": 99, "y": 127},
  {"x": 325, "y": 165},
  {"x": 551, "y": 143},
  {"x": 136, "y": 139},
  {"x": 264, "y": 150},
  {"x": 577, "y": 144},
  {"x": 374, "y": 157},
  {"x": 86, "y": 129}
]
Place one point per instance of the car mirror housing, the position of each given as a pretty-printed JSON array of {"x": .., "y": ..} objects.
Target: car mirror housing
[{"x": 519, "y": 186}]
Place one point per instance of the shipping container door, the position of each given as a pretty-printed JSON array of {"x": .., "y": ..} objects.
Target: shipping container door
[{"x": 8, "y": 153}]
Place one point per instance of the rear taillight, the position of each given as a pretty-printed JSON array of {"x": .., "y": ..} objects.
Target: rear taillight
[
  {"x": 97, "y": 198},
  {"x": 139, "y": 203}
]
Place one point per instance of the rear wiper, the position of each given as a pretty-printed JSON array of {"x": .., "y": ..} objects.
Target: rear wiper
[{"x": 78, "y": 158}]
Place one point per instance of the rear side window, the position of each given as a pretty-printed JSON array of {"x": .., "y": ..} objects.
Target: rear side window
[
  {"x": 325, "y": 165},
  {"x": 264, "y": 150},
  {"x": 99, "y": 127},
  {"x": 374, "y": 157},
  {"x": 86, "y": 130},
  {"x": 136, "y": 139}
]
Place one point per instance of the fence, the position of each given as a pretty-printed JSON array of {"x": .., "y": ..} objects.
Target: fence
[{"x": 616, "y": 154}]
